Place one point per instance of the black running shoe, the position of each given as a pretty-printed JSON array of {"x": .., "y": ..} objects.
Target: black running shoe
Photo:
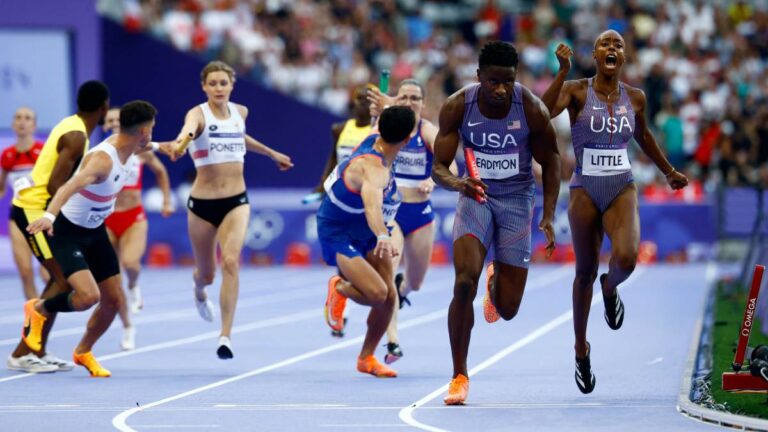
[
  {"x": 398, "y": 282},
  {"x": 585, "y": 379},
  {"x": 393, "y": 353},
  {"x": 339, "y": 333},
  {"x": 225, "y": 349},
  {"x": 614, "y": 308}
]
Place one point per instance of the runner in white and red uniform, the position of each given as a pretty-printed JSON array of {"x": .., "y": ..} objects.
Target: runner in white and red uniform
[
  {"x": 16, "y": 162},
  {"x": 127, "y": 226}
]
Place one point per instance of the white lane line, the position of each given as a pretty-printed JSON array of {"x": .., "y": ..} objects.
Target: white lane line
[
  {"x": 406, "y": 414},
  {"x": 362, "y": 425},
  {"x": 119, "y": 421},
  {"x": 287, "y": 319},
  {"x": 179, "y": 426},
  {"x": 263, "y": 284}
]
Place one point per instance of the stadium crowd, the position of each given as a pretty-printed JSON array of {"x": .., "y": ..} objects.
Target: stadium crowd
[{"x": 702, "y": 64}]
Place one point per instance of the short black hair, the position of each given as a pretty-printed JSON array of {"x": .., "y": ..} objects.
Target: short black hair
[
  {"x": 136, "y": 113},
  {"x": 92, "y": 95},
  {"x": 396, "y": 124},
  {"x": 498, "y": 53}
]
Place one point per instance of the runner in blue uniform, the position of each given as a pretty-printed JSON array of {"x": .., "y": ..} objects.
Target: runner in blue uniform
[{"x": 360, "y": 194}]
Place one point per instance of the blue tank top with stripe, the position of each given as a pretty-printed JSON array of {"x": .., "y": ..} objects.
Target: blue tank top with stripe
[
  {"x": 500, "y": 145},
  {"x": 344, "y": 204},
  {"x": 601, "y": 135},
  {"x": 414, "y": 161}
]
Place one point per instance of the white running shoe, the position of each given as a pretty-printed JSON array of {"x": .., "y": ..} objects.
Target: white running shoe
[
  {"x": 129, "y": 338},
  {"x": 30, "y": 363},
  {"x": 204, "y": 307},
  {"x": 135, "y": 302},
  {"x": 62, "y": 364}
]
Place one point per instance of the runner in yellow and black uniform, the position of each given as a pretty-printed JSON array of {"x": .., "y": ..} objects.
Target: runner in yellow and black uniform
[{"x": 61, "y": 154}]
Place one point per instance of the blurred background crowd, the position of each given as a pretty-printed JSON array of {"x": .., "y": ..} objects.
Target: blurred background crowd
[{"x": 703, "y": 64}]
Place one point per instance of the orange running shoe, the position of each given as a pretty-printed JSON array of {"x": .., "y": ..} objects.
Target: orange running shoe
[
  {"x": 89, "y": 362},
  {"x": 334, "y": 305},
  {"x": 457, "y": 391},
  {"x": 32, "y": 332},
  {"x": 372, "y": 366},
  {"x": 489, "y": 310}
]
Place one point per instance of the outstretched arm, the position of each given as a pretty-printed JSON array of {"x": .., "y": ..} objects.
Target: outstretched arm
[
  {"x": 283, "y": 161},
  {"x": 544, "y": 149},
  {"x": 647, "y": 142},
  {"x": 558, "y": 95},
  {"x": 194, "y": 122},
  {"x": 96, "y": 168}
]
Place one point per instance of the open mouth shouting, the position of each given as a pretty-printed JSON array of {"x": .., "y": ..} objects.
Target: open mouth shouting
[{"x": 611, "y": 61}]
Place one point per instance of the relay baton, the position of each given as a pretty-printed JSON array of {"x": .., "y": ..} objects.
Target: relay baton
[
  {"x": 469, "y": 156},
  {"x": 182, "y": 147},
  {"x": 384, "y": 81},
  {"x": 383, "y": 87}
]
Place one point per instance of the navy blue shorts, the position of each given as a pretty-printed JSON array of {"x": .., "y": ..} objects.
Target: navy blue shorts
[
  {"x": 349, "y": 238},
  {"x": 413, "y": 216}
]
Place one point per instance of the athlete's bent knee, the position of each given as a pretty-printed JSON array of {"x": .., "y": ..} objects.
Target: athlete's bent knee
[
  {"x": 508, "y": 312},
  {"x": 204, "y": 278},
  {"x": 377, "y": 296},
  {"x": 132, "y": 266},
  {"x": 88, "y": 299},
  {"x": 626, "y": 261}
]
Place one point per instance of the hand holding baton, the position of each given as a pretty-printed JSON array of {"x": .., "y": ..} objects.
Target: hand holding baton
[
  {"x": 182, "y": 146},
  {"x": 469, "y": 157},
  {"x": 383, "y": 88}
]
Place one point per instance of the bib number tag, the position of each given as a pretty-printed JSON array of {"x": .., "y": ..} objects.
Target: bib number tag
[
  {"x": 390, "y": 211},
  {"x": 97, "y": 217},
  {"x": 21, "y": 183},
  {"x": 411, "y": 163},
  {"x": 605, "y": 162},
  {"x": 497, "y": 167}
]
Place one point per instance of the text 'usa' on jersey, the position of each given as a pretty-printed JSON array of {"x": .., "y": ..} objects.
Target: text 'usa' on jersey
[
  {"x": 500, "y": 145},
  {"x": 602, "y": 133}
]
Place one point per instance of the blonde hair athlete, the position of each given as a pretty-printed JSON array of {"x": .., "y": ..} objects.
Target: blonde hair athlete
[{"x": 218, "y": 209}]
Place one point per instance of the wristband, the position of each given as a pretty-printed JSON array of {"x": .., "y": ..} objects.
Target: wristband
[
  {"x": 154, "y": 145},
  {"x": 670, "y": 173},
  {"x": 383, "y": 237},
  {"x": 49, "y": 216}
]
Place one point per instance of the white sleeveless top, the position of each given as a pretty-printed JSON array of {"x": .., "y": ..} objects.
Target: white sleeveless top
[
  {"x": 222, "y": 141},
  {"x": 89, "y": 207}
]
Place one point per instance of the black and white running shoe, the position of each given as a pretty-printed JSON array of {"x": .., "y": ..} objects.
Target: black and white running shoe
[
  {"x": 225, "y": 348},
  {"x": 585, "y": 379},
  {"x": 394, "y": 353},
  {"x": 398, "y": 282},
  {"x": 614, "y": 307}
]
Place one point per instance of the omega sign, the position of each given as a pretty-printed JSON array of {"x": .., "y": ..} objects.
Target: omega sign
[{"x": 748, "y": 317}]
